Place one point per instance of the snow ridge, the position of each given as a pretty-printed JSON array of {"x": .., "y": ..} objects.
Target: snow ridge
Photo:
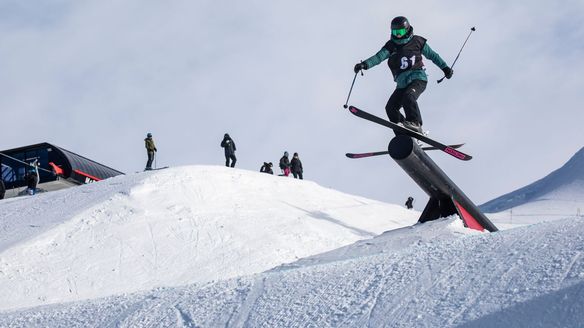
[{"x": 567, "y": 181}]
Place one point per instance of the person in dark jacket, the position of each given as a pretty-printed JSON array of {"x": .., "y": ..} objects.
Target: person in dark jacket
[
  {"x": 404, "y": 53},
  {"x": 410, "y": 203},
  {"x": 150, "y": 151},
  {"x": 296, "y": 166},
  {"x": 285, "y": 164},
  {"x": 2, "y": 189},
  {"x": 267, "y": 168},
  {"x": 229, "y": 145},
  {"x": 32, "y": 178}
]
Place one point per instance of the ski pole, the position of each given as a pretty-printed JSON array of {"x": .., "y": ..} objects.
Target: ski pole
[
  {"x": 472, "y": 29},
  {"x": 351, "y": 90},
  {"x": 25, "y": 163}
]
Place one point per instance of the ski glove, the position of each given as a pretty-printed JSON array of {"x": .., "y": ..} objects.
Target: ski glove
[
  {"x": 447, "y": 72},
  {"x": 359, "y": 67}
]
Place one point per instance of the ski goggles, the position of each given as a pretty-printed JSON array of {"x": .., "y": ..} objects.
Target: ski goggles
[{"x": 399, "y": 32}]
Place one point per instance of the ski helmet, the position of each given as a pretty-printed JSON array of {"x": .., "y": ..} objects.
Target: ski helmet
[
  {"x": 400, "y": 27},
  {"x": 149, "y": 135}
]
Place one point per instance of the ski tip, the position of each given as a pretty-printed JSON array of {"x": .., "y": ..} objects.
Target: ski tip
[
  {"x": 352, "y": 109},
  {"x": 458, "y": 154},
  {"x": 361, "y": 155}
]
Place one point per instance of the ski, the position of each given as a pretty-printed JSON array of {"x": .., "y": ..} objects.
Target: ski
[
  {"x": 155, "y": 169},
  {"x": 400, "y": 129},
  {"x": 363, "y": 155},
  {"x": 377, "y": 153},
  {"x": 159, "y": 168}
]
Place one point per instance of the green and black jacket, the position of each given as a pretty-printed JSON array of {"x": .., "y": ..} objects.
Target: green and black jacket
[{"x": 416, "y": 46}]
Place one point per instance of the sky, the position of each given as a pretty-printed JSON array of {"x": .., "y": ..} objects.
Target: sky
[{"x": 95, "y": 76}]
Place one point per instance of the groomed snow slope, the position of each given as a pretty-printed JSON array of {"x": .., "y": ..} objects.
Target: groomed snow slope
[
  {"x": 171, "y": 228},
  {"x": 431, "y": 275}
]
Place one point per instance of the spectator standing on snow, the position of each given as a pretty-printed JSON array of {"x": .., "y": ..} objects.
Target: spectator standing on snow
[
  {"x": 296, "y": 166},
  {"x": 285, "y": 164},
  {"x": 267, "y": 168},
  {"x": 410, "y": 203},
  {"x": 150, "y": 151},
  {"x": 229, "y": 145},
  {"x": 32, "y": 178}
]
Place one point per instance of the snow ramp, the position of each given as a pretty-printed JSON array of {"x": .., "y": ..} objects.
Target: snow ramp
[{"x": 172, "y": 227}]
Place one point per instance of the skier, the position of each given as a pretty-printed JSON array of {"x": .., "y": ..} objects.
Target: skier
[
  {"x": 230, "y": 149},
  {"x": 150, "y": 150},
  {"x": 296, "y": 166},
  {"x": 267, "y": 168},
  {"x": 285, "y": 164},
  {"x": 404, "y": 53},
  {"x": 410, "y": 203}
]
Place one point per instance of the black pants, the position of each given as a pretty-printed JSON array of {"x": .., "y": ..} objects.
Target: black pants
[
  {"x": 232, "y": 158},
  {"x": 150, "y": 160},
  {"x": 297, "y": 175},
  {"x": 408, "y": 99}
]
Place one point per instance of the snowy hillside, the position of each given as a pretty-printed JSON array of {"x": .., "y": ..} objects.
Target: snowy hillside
[
  {"x": 565, "y": 185},
  {"x": 170, "y": 228},
  {"x": 216, "y": 247},
  {"x": 430, "y": 275}
]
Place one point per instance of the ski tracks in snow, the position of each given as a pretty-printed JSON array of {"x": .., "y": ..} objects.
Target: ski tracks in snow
[
  {"x": 241, "y": 315},
  {"x": 433, "y": 284}
]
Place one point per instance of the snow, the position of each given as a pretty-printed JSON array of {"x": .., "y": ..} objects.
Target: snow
[
  {"x": 204, "y": 246},
  {"x": 565, "y": 183},
  {"x": 171, "y": 228}
]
